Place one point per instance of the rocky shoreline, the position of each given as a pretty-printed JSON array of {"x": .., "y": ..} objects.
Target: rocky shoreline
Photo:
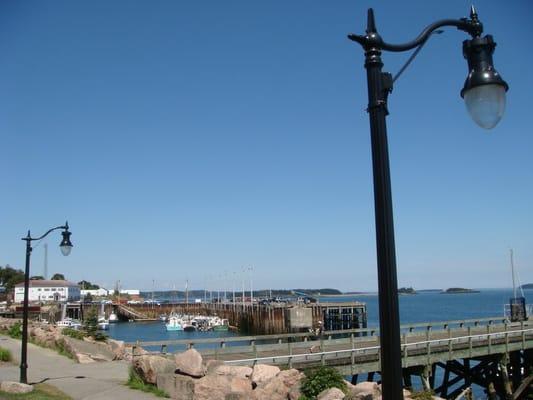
[
  {"x": 83, "y": 351},
  {"x": 187, "y": 377}
]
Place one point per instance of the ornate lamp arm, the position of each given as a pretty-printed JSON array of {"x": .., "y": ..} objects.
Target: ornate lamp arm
[
  {"x": 29, "y": 238},
  {"x": 372, "y": 40}
]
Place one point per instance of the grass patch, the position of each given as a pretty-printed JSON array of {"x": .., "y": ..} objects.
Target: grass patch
[
  {"x": 73, "y": 333},
  {"x": 5, "y": 355},
  {"x": 15, "y": 331},
  {"x": 42, "y": 391},
  {"x": 423, "y": 395},
  {"x": 61, "y": 349},
  {"x": 135, "y": 382}
]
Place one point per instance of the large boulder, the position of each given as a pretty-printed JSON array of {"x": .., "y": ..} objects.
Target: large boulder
[
  {"x": 118, "y": 348},
  {"x": 15, "y": 387},
  {"x": 284, "y": 385},
  {"x": 148, "y": 367},
  {"x": 273, "y": 389},
  {"x": 233, "y": 370},
  {"x": 263, "y": 373},
  {"x": 331, "y": 394},
  {"x": 222, "y": 387},
  {"x": 364, "y": 391},
  {"x": 178, "y": 387},
  {"x": 189, "y": 363},
  {"x": 292, "y": 378}
]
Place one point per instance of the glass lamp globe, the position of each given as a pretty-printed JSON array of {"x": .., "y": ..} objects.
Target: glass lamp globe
[
  {"x": 486, "y": 104},
  {"x": 65, "y": 249}
]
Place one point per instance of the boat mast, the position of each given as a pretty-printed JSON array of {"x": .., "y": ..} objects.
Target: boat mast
[{"x": 512, "y": 272}]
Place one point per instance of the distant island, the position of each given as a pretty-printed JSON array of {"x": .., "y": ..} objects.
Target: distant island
[
  {"x": 406, "y": 290},
  {"x": 527, "y": 286},
  {"x": 455, "y": 290}
]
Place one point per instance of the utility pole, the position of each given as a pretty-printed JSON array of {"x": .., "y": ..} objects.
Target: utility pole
[
  {"x": 46, "y": 261},
  {"x": 251, "y": 269}
]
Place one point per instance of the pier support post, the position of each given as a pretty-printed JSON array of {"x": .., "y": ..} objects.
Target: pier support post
[
  {"x": 424, "y": 377},
  {"x": 508, "y": 390}
]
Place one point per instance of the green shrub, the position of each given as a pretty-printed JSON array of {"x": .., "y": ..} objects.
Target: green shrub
[
  {"x": 135, "y": 382},
  {"x": 5, "y": 354},
  {"x": 321, "y": 379},
  {"x": 100, "y": 337},
  {"x": 16, "y": 330},
  {"x": 73, "y": 333}
]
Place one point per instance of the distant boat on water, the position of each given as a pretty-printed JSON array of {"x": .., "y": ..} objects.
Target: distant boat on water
[{"x": 174, "y": 323}]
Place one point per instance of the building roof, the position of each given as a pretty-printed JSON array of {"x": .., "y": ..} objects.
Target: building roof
[{"x": 47, "y": 283}]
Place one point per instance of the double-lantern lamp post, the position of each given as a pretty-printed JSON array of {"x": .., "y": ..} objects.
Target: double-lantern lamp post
[
  {"x": 66, "y": 247},
  {"x": 484, "y": 94}
]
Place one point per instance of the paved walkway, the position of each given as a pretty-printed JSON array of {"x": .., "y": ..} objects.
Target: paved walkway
[{"x": 94, "y": 381}]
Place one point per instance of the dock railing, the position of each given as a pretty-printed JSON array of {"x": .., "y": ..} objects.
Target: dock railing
[{"x": 319, "y": 342}]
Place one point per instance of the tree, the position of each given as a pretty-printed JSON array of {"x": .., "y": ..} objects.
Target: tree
[
  {"x": 58, "y": 277},
  {"x": 90, "y": 325},
  {"x": 9, "y": 277},
  {"x": 88, "y": 298},
  {"x": 86, "y": 285}
]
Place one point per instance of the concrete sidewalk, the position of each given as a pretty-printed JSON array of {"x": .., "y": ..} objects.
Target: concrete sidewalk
[{"x": 94, "y": 381}]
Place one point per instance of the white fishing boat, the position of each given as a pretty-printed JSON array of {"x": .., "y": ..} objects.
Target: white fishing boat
[
  {"x": 113, "y": 318},
  {"x": 103, "y": 324},
  {"x": 174, "y": 323},
  {"x": 68, "y": 323}
]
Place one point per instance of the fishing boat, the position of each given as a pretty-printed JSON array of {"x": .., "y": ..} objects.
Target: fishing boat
[
  {"x": 113, "y": 318},
  {"x": 174, "y": 323},
  {"x": 103, "y": 324},
  {"x": 218, "y": 324},
  {"x": 69, "y": 323}
]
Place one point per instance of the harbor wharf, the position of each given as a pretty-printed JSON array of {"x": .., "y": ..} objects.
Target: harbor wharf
[
  {"x": 490, "y": 352},
  {"x": 259, "y": 318}
]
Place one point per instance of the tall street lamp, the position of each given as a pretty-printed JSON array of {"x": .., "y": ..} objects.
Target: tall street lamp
[
  {"x": 484, "y": 94},
  {"x": 66, "y": 247}
]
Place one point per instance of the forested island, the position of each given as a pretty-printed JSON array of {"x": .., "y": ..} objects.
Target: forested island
[
  {"x": 406, "y": 290},
  {"x": 527, "y": 286},
  {"x": 455, "y": 290}
]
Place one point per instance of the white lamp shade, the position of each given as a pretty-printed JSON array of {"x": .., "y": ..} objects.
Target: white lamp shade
[
  {"x": 486, "y": 104},
  {"x": 65, "y": 249}
]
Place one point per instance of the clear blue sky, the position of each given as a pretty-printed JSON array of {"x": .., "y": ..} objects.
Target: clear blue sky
[{"x": 184, "y": 140}]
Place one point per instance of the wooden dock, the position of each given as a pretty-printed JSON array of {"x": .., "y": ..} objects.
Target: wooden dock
[{"x": 256, "y": 319}]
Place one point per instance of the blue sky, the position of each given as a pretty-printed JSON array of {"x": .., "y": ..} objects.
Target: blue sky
[{"x": 187, "y": 140}]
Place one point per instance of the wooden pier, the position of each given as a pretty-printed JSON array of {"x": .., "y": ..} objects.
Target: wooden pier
[
  {"x": 490, "y": 352},
  {"x": 259, "y": 318}
]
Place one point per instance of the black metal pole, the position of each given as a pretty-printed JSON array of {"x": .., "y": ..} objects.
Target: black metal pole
[
  {"x": 24, "y": 345},
  {"x": 379, "y": 84}
]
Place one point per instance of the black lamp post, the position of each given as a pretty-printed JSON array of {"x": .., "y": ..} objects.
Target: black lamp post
[
  {"x": 66, "y": 247},
  {"x": 484, "y": 94}
]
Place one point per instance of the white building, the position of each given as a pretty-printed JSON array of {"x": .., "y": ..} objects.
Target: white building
[
  {"x": 43, "y": 291},
  {"x": 131, "y": 292},
  {"x": 95, "y": 292}
]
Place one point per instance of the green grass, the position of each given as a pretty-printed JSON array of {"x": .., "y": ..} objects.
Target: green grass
[
  {"x": 42, "y": 391},
  {"x": 135, "y": 382},
  {"x": 16, "y": 330},
  {"x": 5, "y": 355},
  {"x": 73, "y": 333},
  {"x": 423, "y": 395}
]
